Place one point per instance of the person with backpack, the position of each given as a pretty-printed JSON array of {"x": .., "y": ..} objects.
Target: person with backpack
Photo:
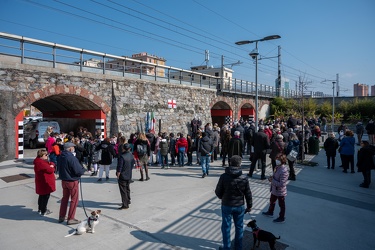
[
  {"x": 142, "y": 150},
  {"x": 233, "y": 190},
  {"x": 163, "y": 145},
  {"x": 206, "y": 146},
  {"x": 107, "y": 154}
]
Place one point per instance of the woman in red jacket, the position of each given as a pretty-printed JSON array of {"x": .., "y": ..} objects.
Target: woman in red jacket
[{"x": 45, "y": 180}]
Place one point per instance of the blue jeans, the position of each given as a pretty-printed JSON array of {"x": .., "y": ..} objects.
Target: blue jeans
[
  {"x": 205, "y": 163},
  {"x": 181, "y": 158},
  {"x": 158, "y": 157},
  {"x": 227, "y": 213},
  {"x": 164, "y": 158}
]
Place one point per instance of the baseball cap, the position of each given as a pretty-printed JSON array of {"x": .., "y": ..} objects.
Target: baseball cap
[{"x": 69, "y": 145}]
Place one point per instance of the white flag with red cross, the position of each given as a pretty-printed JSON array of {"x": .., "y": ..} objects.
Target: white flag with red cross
[{"x": 172, "y": 104}]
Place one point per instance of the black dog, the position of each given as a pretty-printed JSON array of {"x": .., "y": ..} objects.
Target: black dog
[{"x": 262, "y": 235}]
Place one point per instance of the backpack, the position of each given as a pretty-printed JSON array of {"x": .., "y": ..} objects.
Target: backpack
[
  {"x": 97, "y": 155},
  {"x": 141, "y": 149}
]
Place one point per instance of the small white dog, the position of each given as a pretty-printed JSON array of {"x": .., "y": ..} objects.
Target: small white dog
[{"x": 87, "y": 225}]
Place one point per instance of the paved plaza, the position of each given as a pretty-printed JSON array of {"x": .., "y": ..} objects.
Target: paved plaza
[{"x": 177, "y": 209}]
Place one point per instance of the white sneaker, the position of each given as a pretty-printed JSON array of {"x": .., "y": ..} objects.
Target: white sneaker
[{"x": 46, "y": 213}]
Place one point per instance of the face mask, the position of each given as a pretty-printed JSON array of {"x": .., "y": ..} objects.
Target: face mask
[{"x": 278, "y": 162}]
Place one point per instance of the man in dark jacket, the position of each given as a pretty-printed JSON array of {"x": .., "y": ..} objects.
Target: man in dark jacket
[
  {"x": 330, "y": 146},
  {"x": 370, "y": 128},
  {"x": 172, "y": 149},
  {"x": 232, "y": 189},
  {"x": 292, "y": 122},
  {"x": 70, "y": 171},
  {"x": 365, "y": 162},
  {"x": 206, "y": 147},
  {"x": 124, "y": 175},
  {"x": 261, "y": 143}
]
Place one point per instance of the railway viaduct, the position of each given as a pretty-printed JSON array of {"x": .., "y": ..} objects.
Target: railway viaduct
[{"x": 109, "y": 102}]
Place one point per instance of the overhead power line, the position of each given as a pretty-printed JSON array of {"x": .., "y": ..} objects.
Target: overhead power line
[{"x": 194, "y": 33}]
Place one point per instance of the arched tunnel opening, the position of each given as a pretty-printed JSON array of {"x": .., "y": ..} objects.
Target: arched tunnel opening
[
  {"x": 221, "y": 113},
  {"x": 247, "y": 112},
  {"x": 70, "y": 112}
]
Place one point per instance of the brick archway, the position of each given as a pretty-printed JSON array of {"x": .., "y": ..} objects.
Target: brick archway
[
  {"x": 247, "y": 101},
  {"x": 62, "y": 89},
  {"x": 228, "y": 101}
]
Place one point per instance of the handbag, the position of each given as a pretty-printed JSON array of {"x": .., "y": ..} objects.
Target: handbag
[{"x": 292, "y": 156}]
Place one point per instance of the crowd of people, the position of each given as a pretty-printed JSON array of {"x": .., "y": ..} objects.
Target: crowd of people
[
  {"x": 209, "y": 143},
  {"x": 345, "y": 146},
  {"x": 69, "y": 156}
]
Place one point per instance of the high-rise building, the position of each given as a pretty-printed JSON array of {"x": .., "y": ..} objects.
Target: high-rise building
[
  {"x": 360, "y": 89},
  {"x": 373, "y": 90}
]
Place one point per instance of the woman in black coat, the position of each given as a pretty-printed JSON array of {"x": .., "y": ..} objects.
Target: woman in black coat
[
  {"x": 330, "y": 146},
  {"x": 365, "y": 162},
  {"x": 79, "y": 150},
  {"x": 224, "y": 145}
]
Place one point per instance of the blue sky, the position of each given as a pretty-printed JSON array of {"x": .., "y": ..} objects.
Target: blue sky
[{"x": 318, "y": 38}]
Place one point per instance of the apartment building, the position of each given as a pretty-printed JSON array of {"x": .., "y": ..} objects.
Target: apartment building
[
  {"x": 138, "y": 67},
  {"x": 360, "y": 89}
]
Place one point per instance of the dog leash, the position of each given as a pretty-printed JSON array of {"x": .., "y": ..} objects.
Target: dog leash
[{"x": 83, "y": 204}]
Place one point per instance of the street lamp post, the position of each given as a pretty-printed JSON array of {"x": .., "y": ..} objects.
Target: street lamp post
[
  {"x": 254, "y": 54},
  {"x": 333, "y": 106},
  {"x": 333, "y": 101}
]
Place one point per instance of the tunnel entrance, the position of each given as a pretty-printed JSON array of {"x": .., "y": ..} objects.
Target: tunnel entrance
[
  {"x": 221, "y": 113},
  {"x": 247, "y": 112},
  {"x": 68, "y": 110}
]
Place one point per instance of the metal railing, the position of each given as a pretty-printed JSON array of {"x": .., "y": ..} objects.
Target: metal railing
[{"x": 41, "y": 53}]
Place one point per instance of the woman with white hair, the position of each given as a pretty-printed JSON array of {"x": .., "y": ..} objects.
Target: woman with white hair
[{"x": 330, "y": 146}]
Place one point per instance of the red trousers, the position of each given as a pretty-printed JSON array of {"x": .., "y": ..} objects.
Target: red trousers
[{"x": 70, "y": 190}]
